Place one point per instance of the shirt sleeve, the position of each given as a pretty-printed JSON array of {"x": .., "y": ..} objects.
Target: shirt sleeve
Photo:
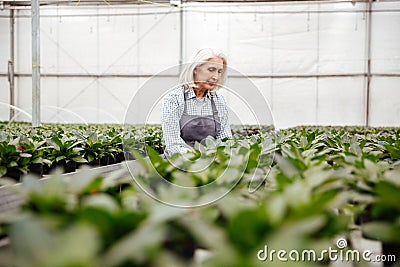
[
  {"x": 171, "y": 113},
  {"x": 225, "y": 131}
]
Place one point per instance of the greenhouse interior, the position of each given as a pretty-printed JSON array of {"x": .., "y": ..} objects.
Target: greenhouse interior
[{"x": 169, "y": 133}]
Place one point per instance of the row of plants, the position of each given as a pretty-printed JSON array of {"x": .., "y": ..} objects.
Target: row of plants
[
  {"x": 295, "y": 189},
  {"x": 25, "y": 149}
]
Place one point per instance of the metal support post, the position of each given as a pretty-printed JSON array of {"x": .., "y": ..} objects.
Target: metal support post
[
  {"x": 11, "y": 66},
  {"x": 35, "y": 63},
  {"x": 367, "y": 97}
]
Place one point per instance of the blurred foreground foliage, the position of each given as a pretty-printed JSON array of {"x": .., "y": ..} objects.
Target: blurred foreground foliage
[{"x": 292, "y": 189}]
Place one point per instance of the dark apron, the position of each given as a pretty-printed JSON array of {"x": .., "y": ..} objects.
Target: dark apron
[{"x": 196, "y": 127}]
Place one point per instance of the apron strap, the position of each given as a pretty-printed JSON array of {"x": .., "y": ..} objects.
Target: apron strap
[
  {"x": 215, "y": 115},
  {"x": 185, "y": 98}
]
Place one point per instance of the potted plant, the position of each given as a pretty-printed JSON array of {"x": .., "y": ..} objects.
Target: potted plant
[{"x": 66, "y": 152}]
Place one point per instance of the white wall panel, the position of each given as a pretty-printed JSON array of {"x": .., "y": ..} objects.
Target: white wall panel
[
  {"x": 77, "y": 104},
  {"x": 118, "y": 41},
  {"x": 250, "y": 43},
  {"x": 158, "y": 42},
  {"x": 4, "y": 99},
  {"x": 265, "y": 87},
  {"x": 23, "y": 98},
  {"x": 4, "y": 57},
  {"x": 144, "y": 106},
  {"x": 115, "y": 95},
  {"x": 205, "y": 30},
  {"x": 23, "y": 43},
  {"x": 341, "y": 101},
  {"x": 62, "y": 98},
  {"x": 294, "y": 43},
  {"x": 78, "y": 45},
  {"x": 50, "y": 47},
  {"x": 4, "y": 40},
  {"x": 294, "y": 102},
  {"x": 247, "y": 102},
  {"x": 50, "y": 92},
  {"x": 342, "y": 47},
  {"x": 385, "y": 101},
  {"x": 385, "y": 48}
]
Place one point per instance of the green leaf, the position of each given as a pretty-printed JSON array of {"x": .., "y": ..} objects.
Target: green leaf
[
  {"x": 79, "y": 159},
  {"x": 60, "y": 158},
  {"x": 57, "y": 142},
  {"x": 355, "y": 148},
  {"x": 255, "y": 151},
  {"x": 37, "y": 161},
  {"x": 90, "y": 158},
  {"x": 101, "y": 201},
  {"x": 388, "y": 193},
  {"x": 3, "y": 170},
  {"x": 12, "y": 164},
  {"x": 93, "y": 137},
  {"x": 154, "y": 156},
  {"x": 303, "y": 142},
  {"x": 394, "y": 152},
  {"x": 47, "y": 162},
  {"x": 382, "y": 231},
  {"x": 287, "y": 168},
  {"x": 139, "y": 245},
  {"x": 140, "y": 159},
  {"x": 253, "y": 225},
  {"x": 54, "y": 248}
]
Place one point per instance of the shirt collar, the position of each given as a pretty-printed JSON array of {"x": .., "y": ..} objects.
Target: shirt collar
[{"x": 191, "y": 94}]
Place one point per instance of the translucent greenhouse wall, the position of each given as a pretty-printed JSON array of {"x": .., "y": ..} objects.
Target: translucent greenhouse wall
[{"x": 308, "y": 60}]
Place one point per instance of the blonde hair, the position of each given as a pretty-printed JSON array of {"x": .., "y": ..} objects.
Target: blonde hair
[{"x": 187, "y": 76}]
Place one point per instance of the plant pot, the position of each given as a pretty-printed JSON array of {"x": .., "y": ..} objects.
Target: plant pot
[
  {"x": 104, "y": 160},
  {"x": 36, "y": 168},
  {"x": 160, "y": 150},
  {"x": 78, "y": 165},
  {"x": 364, "y": 216},
  {"x": 128, "y": 155},
  {"x": 388, "y": 248},
  {"x": 111, "y": 159},
  {"x": 94, "y": 163},
  {"x": 14, "y": 173},
  {"x": 69, "y": 166},
  {"x": 180, "y": 241},
  {"x": 119, "y": 157},
  {"x": 46, "y": 169}
]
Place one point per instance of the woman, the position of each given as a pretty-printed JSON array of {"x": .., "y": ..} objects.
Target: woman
[{"x": 194, "y": 109}]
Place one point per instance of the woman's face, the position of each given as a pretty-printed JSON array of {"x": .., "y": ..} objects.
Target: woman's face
[{"x": 206, "y": 76}]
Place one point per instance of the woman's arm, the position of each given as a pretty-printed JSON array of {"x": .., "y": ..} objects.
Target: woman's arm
[
  {"x": 171, "y": 113},
  {"x": 223, "y": 113}
]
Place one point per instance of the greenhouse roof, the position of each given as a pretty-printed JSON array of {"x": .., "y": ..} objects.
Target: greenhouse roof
[{"x": 16, "y": 3}]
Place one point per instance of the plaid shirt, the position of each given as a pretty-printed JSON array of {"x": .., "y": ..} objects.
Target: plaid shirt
[{"x": 172, "y": 110}]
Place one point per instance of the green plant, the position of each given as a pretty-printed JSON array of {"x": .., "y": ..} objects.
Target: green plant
[{"x": 65, "y": 149}]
